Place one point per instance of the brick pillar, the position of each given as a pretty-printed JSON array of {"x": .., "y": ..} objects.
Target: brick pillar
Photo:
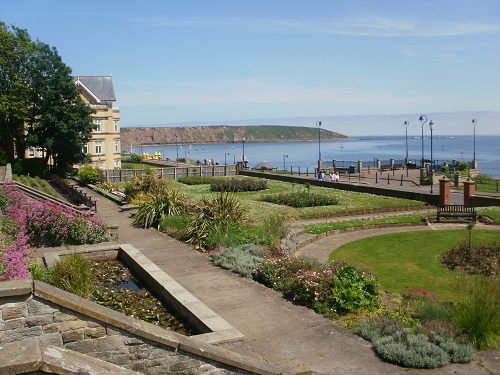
[
  {"x": 444, "y": 191},
  {"x": 469, "y": 190}
]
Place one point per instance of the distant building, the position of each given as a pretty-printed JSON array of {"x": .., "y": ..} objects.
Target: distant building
[{"x": 104, "y": 146}]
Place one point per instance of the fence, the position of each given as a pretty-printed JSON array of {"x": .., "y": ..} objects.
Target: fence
[{"x": 171, "y": 173}]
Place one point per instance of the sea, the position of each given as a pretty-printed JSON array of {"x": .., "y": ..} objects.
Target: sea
[{"x": 286, "y": 155}]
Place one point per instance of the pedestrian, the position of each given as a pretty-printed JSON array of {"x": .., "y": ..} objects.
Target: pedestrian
[{"x": 332, "y": 176}]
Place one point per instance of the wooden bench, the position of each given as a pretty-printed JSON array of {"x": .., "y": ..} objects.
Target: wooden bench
[{"x": 456, "y": 211}]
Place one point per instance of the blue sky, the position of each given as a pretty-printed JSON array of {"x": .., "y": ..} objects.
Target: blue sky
[{"x": 202, "y": 61}]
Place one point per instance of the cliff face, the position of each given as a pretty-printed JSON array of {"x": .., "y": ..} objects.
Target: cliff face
[{"x": 223, "y": 134}]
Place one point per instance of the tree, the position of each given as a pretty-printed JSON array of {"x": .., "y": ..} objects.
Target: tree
[
  {"x": 62, "y": 121},
  {"x": 39, "y": 103},
  {"x": 15, "y": 49}
]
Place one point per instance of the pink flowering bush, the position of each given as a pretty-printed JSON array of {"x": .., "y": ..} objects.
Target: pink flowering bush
[
  {"x": 28, "y": 222},
  {"x": 326, "y": 288}
]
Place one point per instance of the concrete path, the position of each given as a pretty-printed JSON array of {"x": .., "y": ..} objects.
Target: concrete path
[{"x": 288, "y": 336}]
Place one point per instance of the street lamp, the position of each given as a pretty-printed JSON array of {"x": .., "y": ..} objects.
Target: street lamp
[
  {"x": 474, "y": 122},
  {"x": 284, "y": 157},
  {"x": 177, "y": 150},
  {"x": 432, "y": 161},
  {"x": 421, "y": 119},
  {"x": 406, "y": 125},
  {"x": 318, "y": 124},
  {"x": 243, "y": 140}
]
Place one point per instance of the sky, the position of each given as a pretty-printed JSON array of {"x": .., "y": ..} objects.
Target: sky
[{"x": 196, "y": 62}]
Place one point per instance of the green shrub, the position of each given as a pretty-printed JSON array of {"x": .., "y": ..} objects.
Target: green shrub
[
  {"x": 73, "y": 273},
  {"x": 477, "y": 316},
  {"x": 196, "y": 180},
  {"x": 211, "y": 215},
  {"x": 355, "y": 290},
  {"x": 89, "y": 175},
  {"x": 240, "y": 259},
  {"x": 381, "y": 326},
  {"x": 3, "y": 157},
  {"x": 450, "y": 339},
  {"x": 411, "y": 351},
  {"x": 299, "y": 199},
  {"x": 327, "y": 289},
  {"x": 429, "y": 310},
  {"x": 237, "y": 184},
  {"x": 164, "y": 202}
]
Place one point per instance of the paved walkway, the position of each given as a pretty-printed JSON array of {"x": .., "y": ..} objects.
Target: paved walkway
[{"x": 275, "y": 330}]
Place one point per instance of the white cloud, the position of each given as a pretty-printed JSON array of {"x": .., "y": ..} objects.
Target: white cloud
[{"x": 367, "y": 26}]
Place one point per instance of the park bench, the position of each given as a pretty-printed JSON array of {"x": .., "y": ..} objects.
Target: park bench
[
  {"x": 345, "y": 170},
  {"x": 389, "y": 167},
  {"x": 456, "y": 211}
]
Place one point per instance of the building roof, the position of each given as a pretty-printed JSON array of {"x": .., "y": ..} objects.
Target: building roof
[
  {"x": 100, "y": 87},
  {"x": 265, "y": 165}
]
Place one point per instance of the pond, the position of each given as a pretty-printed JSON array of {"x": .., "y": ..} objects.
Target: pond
[{"x": 118, "y": 289}]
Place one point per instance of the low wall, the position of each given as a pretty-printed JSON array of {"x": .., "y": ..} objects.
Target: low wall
[
  {"x": 52, "y": 318},
  {"x": 370, "y": 189}
]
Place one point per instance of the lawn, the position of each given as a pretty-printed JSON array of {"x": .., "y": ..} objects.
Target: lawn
[
  {"x": 410, "y": 260},
  {"x": 349, "y": 202}
]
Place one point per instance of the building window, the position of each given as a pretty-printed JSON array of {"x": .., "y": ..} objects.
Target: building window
[
  {"x": 98, "y": 147},
  {"x": 117, "y": 163},
  {"x": 85, "y": 148},
  {"x": 97, "y": 123},
  {"x": 31, "y": 152},
  {"x": 116, "y": 125},
  {"x": 116, "y": 146}
]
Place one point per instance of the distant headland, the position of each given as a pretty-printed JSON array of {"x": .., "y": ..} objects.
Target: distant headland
[{"x": 223, "y": 134}]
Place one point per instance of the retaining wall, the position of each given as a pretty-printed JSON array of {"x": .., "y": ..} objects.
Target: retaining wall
[{"x": 39, "y": 313}]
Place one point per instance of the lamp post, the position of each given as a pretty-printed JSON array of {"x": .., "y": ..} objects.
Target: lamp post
[
  {"x": 474, "y": 122},
  {"x": 243, "y": 140},
  {"x": 177, "y": 150},
  {"x": 406, "y": 125},
  {"x": 284, "y": 157},
  {"x": 318, "y": 124},
  {"x": 431, "y": 124},
  {"x": 423, "y": 122}
]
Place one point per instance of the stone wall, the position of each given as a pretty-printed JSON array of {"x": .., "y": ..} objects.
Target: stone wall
[{"x": 28, "y": 313}]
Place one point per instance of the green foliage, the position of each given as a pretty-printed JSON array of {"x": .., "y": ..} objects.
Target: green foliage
[
  {"x": 431, "y": 310},
  {"x": 411, "y": 351},
  {"x": 72, "y": 273},
  {"x": 164, "y": 202},
  {"x": 89, "y": 175},
  {"x": 196, "y": 180},
  {"x": 318, "y": 228},
  {"x": 172, "y": 224},
  {"x": 240, "y": 259},
  {"x": 431, "y": 345},
  {"x": 334, "y": 288},
  {"x": 131, "y": 158},
  {"x": 477, "y": 315},
  {"x": 354, "y": 290},
  {"x": 212, "y": 214},
  {"x": 380, "y": 326},
  {"x": 3, "y": 157},
  {"x": 147, "y": 184},
  {"x": 300, "y": 199},
  {"x": 237, "y": 184}
]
